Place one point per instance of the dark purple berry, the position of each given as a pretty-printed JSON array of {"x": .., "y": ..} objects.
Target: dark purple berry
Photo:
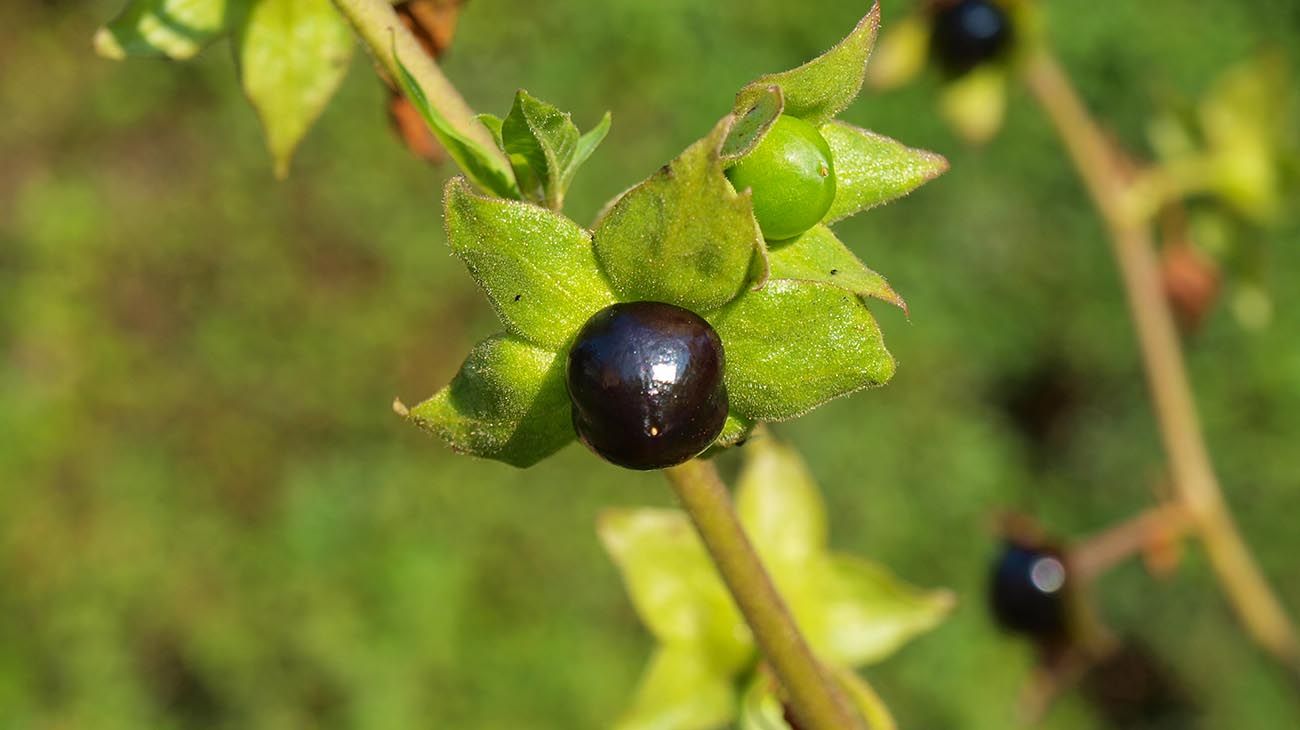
[
  {"x": 645, "y": 380},
  {"x": 1028, "y": 592},
  {"x": 968, "y": 33},
  {"x": 1134, "y": 689}
]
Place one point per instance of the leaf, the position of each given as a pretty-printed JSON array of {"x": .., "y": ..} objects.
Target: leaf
[
  {"x": 587, "y": 145},
  {"x": 507, "y": 403},
  {"x": 673, "y": 584},
  {"x": 177, "y": 29},
  {"x": 545, "y": 148},
  {"x": 485, "y": 168},
  {"x": 872, "y": 169},
  {"x": 864, "y": 698},
  {"x": 975, "y": 104},
  {"x": 684, "y": 236},
  {"x": 1245, "y": 121},
  {"x": 761, "y": 708},
  {"x": 794, "y": 345},
  {"x": 681, "y": 689},
  {"x": 752, "y": 125},
  {"x": 870, "y": 613},
  {"x": 901, "y": 54},
  {"x": 541, "y": 139},
  {"x": 826, "y": 85},
  {"x": 818, "y": 255},
  {"x": 493, "y": 124},
  {"x": 536, "y": 266},
  {"x": 736, "y": 431},
  {"x": 292, "y": 55},
  {"x": 780, "y": 506}
]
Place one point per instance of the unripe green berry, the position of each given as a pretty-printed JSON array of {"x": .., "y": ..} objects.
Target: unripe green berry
[{"x": 792, "y": 177}]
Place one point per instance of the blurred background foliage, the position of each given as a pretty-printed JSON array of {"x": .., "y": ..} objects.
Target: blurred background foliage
[{"x": 209, "y": 518}]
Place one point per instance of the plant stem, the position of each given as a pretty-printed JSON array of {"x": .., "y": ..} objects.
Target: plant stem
[
  {"x": 1096, "y": 554},
  {"x": 378, "y": 26},
  {"x": 1196, "y": 486},
  {"x": 814, "y": 695}
]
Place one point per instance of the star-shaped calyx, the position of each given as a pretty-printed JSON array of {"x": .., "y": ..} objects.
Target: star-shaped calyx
[{"x": 790, "y": 315}]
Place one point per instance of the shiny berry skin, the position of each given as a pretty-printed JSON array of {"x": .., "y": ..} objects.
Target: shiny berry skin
[
  {"x": 1028, "y": 592},
  {"x": 645, "y": 380},
  {"x": 793, "y": 178},
  {"x": 968, "y": 33}
]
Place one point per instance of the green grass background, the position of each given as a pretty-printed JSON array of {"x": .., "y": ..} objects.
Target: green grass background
[{"x": 209, "y": 517}]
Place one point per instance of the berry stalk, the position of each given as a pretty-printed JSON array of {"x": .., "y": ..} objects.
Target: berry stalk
[
  {"x": 1194, "y": 480},
  {"x": 814, "y": 696}
]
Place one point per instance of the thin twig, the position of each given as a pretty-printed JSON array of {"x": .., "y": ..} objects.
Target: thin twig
[
  {"x": 1195, "y": 483},
  {"x": 814, "y": 695},
  {"x": 1098, "y": 553}
]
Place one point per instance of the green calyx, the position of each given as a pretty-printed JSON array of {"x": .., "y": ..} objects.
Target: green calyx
[
  {"x": 791, "y": 312},
  {"x": 791, "y": 175}
]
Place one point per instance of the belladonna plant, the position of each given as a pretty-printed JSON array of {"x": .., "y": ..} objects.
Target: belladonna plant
[
  {"x": 709, "y": 298},
  {"x": 699, "y": 304},
  {"x": 791, "y": 315}
]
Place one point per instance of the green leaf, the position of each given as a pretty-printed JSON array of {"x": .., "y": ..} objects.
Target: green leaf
[
  {"x": 736, "y": 431},
  {"x": 545, "y": 148},
  {"x": 508, "y": 403},
  {"x": 540, "y": 139},
  {"x": 587, "y": 145},
  {"x": 818, "y": 255},
  {"x": 870, "y": 613},
  {"x": 682, "y": 689},
  {"x": 176, "y": 29},
  {"x": 672, "y": 582},
  {"x": 482, "y": 166},
  {"x": 752, "y": 124},
  {"x": 901, "y": 54},
  {"x": 975, "y": 104},
  {"x": 493, "y": 124},
  {"x": 780, "y": 506},
  {"x": 872, "y": 169},
  {"x": 292, "y": 55},
  {"x": 536, "y": 266},
  {"x": 1245, "y": 120},
  {"x": 684, "y": 236},
  {"x": 826, "y": 85},
  {"x": 794, "y": 345},
  {"x": 865, "y": 699},
  {"x": 761, "y": 708}
]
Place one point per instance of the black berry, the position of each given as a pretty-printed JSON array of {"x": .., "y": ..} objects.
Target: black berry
[
  {"x": 1028, "y": 592},
  {"x": 645, "y": 380},
  {"x": 967, "y": 33}
]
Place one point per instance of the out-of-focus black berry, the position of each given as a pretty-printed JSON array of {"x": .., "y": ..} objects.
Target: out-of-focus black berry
[
  {"x": 1133, "y": 689},
  {"x": 645, "y": 379},
  {"x": 1028, "y": 592},
  {"x": 967, "y": 33}
]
